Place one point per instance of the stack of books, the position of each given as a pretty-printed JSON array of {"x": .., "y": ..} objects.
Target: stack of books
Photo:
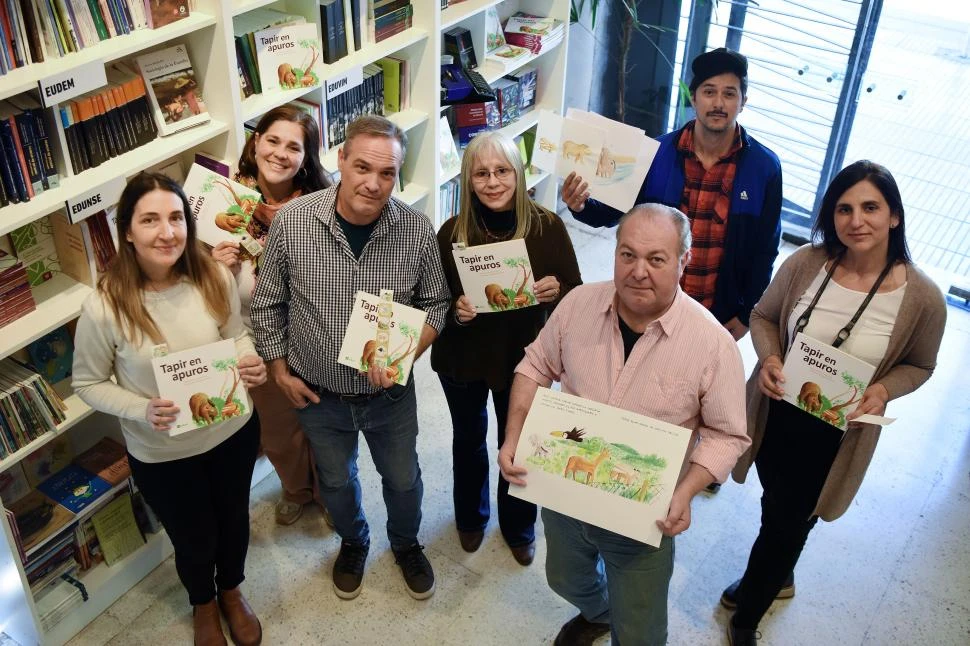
[
  {"x": 534, "y": 33},
  {"x": 16, "y": 299},
  {"x": 27, "y": 165},
  {"x": 29, "y": 407},
  {"x": 449, "y": 198},
  {"x": 387, "y": 18}
]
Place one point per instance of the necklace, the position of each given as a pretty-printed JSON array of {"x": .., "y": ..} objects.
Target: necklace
[{"x": 491, "y": 235}]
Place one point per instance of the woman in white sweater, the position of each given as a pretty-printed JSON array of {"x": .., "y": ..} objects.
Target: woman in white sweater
[{"x": 164, "y": 294}]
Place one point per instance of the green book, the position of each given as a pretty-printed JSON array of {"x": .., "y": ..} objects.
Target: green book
[{"x": 99, "y": 25}]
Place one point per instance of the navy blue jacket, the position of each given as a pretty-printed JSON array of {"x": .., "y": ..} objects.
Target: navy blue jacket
[{"x": 753, "y": 225}]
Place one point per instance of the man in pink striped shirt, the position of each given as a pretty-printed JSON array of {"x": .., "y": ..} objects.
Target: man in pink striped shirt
[{"x": 641, "y": 344}]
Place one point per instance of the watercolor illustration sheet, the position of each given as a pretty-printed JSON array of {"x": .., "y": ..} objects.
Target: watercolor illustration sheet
[
  {"x": 600, "y": 464},
  {"x": 613, "y": 158}
]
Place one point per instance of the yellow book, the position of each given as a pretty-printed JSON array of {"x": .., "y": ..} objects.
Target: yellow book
[{"x": 392, "y": 84}]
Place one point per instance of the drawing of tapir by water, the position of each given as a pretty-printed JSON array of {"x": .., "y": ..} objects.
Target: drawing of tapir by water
[{"x": 607, "y": 164}]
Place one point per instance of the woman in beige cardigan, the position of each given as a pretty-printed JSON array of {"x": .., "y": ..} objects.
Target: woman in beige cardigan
[{"x": 859, "y": 265}]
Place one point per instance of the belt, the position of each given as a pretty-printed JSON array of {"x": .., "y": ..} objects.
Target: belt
[{"x": 351, "y": 398}]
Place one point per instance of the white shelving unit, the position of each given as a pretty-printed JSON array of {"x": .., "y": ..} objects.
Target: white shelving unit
[
  {"x": 208, "y": 34},
  {"x": 550, "y": 64}
]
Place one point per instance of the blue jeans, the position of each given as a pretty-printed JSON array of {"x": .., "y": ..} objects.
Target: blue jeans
[
  {"x": 389, "y": 423},
  {"x": 610, "y": 578},
  {"x": 469, "y": 419}
]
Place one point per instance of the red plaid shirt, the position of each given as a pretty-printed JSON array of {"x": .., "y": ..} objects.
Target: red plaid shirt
[{"x": 706, "y": 201}]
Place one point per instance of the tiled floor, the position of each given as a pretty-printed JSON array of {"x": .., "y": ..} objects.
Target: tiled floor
[{"x": 894, "y": 570}]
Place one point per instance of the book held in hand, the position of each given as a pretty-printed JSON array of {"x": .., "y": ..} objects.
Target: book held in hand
[
  {"x": 205, "y": 384},
  {"x": 496, "y": 277},
  {"x": 384, "y": 332},
  {"x": 174, "y": 89},
  {"x": 221, "y": 207},
  {"x": 824, "y": 381}
]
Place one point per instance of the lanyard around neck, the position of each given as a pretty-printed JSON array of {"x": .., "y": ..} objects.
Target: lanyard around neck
[{"x": 844, "y": 333}]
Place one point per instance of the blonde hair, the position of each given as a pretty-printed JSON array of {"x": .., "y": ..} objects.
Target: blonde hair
[
  {"x": 123, "y": 283},
  {"x": 528, "y": 214}
]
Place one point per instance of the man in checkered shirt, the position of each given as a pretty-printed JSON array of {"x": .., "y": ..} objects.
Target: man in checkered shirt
[{"x": 322, "y": 249}]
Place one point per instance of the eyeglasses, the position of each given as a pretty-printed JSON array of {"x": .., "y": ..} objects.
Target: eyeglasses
[{"x": 481, "y": 176}]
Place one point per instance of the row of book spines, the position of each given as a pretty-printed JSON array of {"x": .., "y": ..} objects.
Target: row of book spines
[
  {"x": 449, "y": 198},
  {"x": 71, "y": 25},
  {"x": 389, "y": 24},
  {"x": 384, "y": 18},
  {"x": 27, "y": 412},
  {"x": 103, "y": 124},
  {"x": 366, "y": 98},
  {"x": 26, "y": 159}
]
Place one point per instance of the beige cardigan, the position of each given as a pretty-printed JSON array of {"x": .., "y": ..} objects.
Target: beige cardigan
[{"x": 909, "y": 361}]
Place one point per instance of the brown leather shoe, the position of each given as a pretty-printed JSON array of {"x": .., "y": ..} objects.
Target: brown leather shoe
[
  {"x": 524, "y": 554},
  {"x": 471, "y": 541},
  {"x": 244, "y": 627},
  {"x": 207, "y": 625}
]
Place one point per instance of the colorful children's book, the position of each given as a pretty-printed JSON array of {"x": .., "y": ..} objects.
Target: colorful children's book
[
  {"x": 496, "y": 277},
  {"x": 221, "y": 207},
  {"x": 74, "y": 488},
  {"x": 174, "y": 89},
  {"x": 106, "y": 459},
  {"x": 34, "y": 245},
  {"x": 824, "y": 381},
  {"x": 48, "y": 459},
  {"x": 13, "y": 484},
  {"x": 163, "y": 12},
  {"x": 51, "y": 355},
  {"x": 204, "y": 383},
  {"x": 37, "y": 517},
  {"x": 288, "y": 57},
  {"x": 384, "y": 332}
]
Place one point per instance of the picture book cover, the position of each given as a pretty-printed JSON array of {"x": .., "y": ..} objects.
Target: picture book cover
[
  {"x": 52, "y": 355},
  {"x": 221, "y": 207},
  {"x": 38, "y": 517},
  {"x": 823, "y": 380},
  {"x": 163, "y": 12},
  {"x": 117, "y": 531},
  {"x": 603, "y": 465},
  {"x": 107, "y": 459},
  {"x": 205, "y": 384},
  {"x": 494, "y": 34},
  {"x": 34, "y": 245},
  {"x": 74, "y": 488},
  {"x": 13, "y": 484},
  {"x": 496, "y": 277},
  {"x": 48, "y": 459},
  {"x": 288, "y": 57},
  {"x": 449, "y": 162},
  {"x": 174, "y": 89},
  {"x": 383, "y": 331}
]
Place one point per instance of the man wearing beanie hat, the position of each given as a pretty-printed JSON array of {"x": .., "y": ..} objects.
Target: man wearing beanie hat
[{"x": 727, "y": 184}]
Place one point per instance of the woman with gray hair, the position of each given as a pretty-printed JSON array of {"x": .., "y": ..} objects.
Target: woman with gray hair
[{"x": 478, "y": 354}]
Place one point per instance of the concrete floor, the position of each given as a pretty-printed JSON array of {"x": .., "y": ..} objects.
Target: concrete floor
[{"x": 894, "y": 570}]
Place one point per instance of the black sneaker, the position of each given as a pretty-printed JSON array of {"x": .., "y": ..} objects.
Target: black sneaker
[
  {"x": 416, "y": 568},
  {"x": 729, "y": 598},
  {"x": 348, "y": 569},
  {"x": 741, "y": 636}
]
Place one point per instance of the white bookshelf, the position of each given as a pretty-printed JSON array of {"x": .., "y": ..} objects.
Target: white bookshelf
[
  {"x": 550, "y": 64},
  {"x": 208, "y": 34}
]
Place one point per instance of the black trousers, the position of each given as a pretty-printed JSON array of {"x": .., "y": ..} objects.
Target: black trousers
[
  {"x": 203, "y": 504},
  {"x": 793, "y": 462},
  {"x": 467, "y": 401}
]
